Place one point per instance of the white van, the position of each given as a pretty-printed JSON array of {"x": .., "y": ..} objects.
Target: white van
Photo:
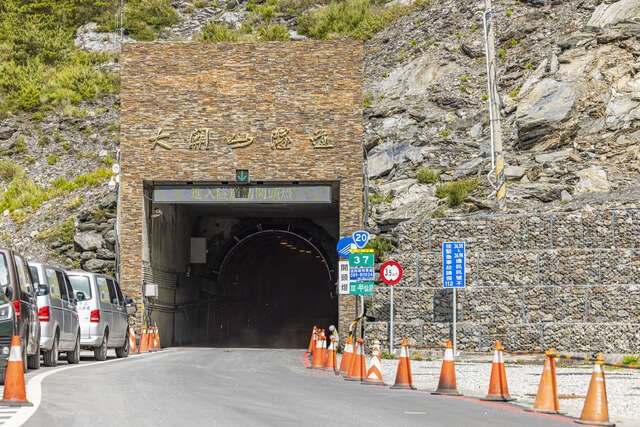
[
  {"x": 59, "y": 328},
  {"x": 104, "y": 313}
]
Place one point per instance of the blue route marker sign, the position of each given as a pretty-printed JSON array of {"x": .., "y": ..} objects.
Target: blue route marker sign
[
  {"x": 361, "y": 238},
  {"x": 453, "y": 265}
]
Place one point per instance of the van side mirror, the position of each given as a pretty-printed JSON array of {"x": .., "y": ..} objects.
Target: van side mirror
[
  {"x": 130, "y": 303},
  {"x": 8, "y": 292},
  {"x": 80, "y": 296},
  {"x": 42, "y": 289}
]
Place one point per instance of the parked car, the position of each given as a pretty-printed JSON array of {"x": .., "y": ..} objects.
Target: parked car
[
  {"x": 17, "y": 286},
  {"x": 104, "y": 313},
  {"x": 59, "y": 322}
]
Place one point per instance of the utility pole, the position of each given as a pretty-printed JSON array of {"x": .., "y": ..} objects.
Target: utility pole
[{"x": 497, "y": 157}]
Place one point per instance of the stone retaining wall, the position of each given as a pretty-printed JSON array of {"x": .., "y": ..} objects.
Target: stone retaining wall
[{"x": 568, "y": 281}]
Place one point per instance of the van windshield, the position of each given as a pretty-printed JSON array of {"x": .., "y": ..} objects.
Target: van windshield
[
  {"x": 4, "y": 271},
  {"x": 80, "y": 284}
]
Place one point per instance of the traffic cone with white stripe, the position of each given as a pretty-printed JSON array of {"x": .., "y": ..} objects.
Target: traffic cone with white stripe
[
  {"x": 158, "y": 338},
  {"x": 547, "y": 397},
  {"x": 595, "y": 410},
  {"x": 374, "y": 375},
  {"x": 403, "y": 374},
  {"x": 347, "y": 355},
  {"x": 15, "y": 393},
  {"x": 133, "y": 348},
  {"x": 324, "y": 346},
  {"x": 498, "y": 388},
  {"x": 312, "y": 341},
  {"x": 332, "y": 362},
  {"x": 358, "y": 368},
  {"x": 316, "y": 361},
  {"x": 144, "y": 341},
  {"x": 447, "y": 384}
]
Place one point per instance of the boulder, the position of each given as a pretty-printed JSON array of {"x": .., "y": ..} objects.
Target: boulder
[
  {"x": 86, "y": 226},
  {"x": 6, "y": 132},
  {"x": 87, "y": 255},
  {"x": 99, "y": 265},
  {"x": 610, "y": 14},
  {"x": 110, "y": 237},
  {"x": 384, "y": 157},
  {"x": 554, "y": 156},
  {"x": 88, "y": 240},
  {"x": 88, "y": 39},
  {"x": 104, "y": 253},
  {"x": 397, "y": 187},
  {"x": 419, "y": 198},
  {"x": 379, "y": 165},
  {"x": 514, "y": 172},
  {"x": 467, "y": 168},
  {"x": 593, "y": 179},
  {"x": 542, "y": 110},
  {"x": 565, "y": 197}
]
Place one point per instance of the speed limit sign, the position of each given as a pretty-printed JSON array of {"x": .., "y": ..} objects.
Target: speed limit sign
[{"x": 391, "y": 273}]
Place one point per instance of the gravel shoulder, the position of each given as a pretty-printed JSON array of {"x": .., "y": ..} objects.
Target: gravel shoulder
[{"x": 623, "y": 386}]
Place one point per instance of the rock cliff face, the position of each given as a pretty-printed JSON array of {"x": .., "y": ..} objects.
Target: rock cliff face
[{"x": 569, "y": 82}]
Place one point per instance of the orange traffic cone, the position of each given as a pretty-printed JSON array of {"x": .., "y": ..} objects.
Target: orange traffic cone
[
  {"x": 358, "y": 368},
  {"x": 547, "y": 397},
  {"x": 332, "y": 362},
  {"x": 158, "y": 338},
  {"x": 374, "y": 375},
  {"x": 144, "y": 341},
  {"x": 498, "y": 388},
  {"x": 133, "y": 348},
  {"x": 15, "y": 393},
  {"x": 152, "y": 339},
  {"x": 316, "y": 361},
  {"x": 403, "y": 374},
  {"x": 447, "y": 384},
  {"x": 595, "y": 410},
  {"x": 312, "y": 341},
  {"x": 324, "y": 346},
  {"x": 347, "y": 355}
]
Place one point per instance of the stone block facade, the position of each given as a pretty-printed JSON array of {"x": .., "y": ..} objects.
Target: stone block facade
[
  {"x": 564, "y": 280},
  {"x": 237, "y": 92}
]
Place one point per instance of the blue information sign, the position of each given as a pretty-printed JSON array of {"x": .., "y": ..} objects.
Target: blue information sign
[
  {"x": 359, "y": 274},
  {"x": 453, "y": 265}
]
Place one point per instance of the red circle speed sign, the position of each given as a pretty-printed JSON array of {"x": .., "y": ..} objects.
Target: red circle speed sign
[{"x": 391, "y": 273}]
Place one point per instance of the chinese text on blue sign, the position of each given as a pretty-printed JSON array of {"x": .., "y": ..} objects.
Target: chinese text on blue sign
[{"x": 453, "y": 274}]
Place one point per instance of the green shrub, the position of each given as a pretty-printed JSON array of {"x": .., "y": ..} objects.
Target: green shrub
[
  {"x": 52, "y": 159},
  {"x": 455, "y": 192},
  {"x": 10, "y": 170},
  {"x": 380, "y": 247},
  {"x": 388, "y": 356},
  {"x": 65, "y": 145},
  {"x": 107, "y": 160},
  {"x": 502, "y": 53},
  {"x": 213, "y": 32},
  {"x": 20, "y": 146},
  {"x": 366, "y": 100},
  {"x": 514, "y": 92},
  {"x": 427, "y": 175},
  {"x": 273, "y": 33},
  {"x": 355, "y": 19},
  {"x": 631, "y": 360}
]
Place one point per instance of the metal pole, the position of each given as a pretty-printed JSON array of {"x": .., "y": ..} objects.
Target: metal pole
[
  {"x": 391, "y": 320},
  {"x": 494, "y": 110},
  {"x": 121, "y": 22},
  {"x": 455, "y": 317}
]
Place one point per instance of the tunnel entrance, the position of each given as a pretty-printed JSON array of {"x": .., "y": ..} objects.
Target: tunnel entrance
[
  {"x": 275, "y": 284},
  {"x": 240, "y": 267}
]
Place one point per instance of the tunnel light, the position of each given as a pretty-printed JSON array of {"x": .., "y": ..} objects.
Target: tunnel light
[{"x": 283, "y": 243}]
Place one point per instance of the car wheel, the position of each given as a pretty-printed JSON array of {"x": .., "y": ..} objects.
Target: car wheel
[
  {"x": 51, "y": 356},
  {"x": 33, "y": 361},
  {"x": 73, "y": 357},
  {"x": 124, "y": 350},
  {"x": 100, "y": 353}
]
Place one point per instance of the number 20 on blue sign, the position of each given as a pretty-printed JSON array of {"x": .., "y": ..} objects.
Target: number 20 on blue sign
[{"x": 453, "y": 265}]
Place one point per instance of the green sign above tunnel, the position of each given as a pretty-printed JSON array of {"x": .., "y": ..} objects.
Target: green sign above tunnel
[{"x": 241, "y": 194}]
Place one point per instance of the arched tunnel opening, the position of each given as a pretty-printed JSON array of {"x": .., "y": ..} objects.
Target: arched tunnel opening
[
  {"x": 275, "y": 284},
  {"x": 242, "y": 273}
]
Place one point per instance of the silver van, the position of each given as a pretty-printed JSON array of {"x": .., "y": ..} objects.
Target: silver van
[
  {"x": 59, "y": 323},
  {"x": 104, "y": 313}
]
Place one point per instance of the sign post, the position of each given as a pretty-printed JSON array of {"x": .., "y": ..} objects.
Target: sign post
[
  {"x": 453, "y": 275},
  {"x": 391, "y": 273}
]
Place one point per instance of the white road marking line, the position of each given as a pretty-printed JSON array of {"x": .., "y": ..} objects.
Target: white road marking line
[{"x": 34, "y": 387}]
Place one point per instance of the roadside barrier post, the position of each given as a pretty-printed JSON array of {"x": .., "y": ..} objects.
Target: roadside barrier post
[
  {"x": 316, "y": 360},
  {"x": 312, "y": 340},
  {"x": 347, "y": 355},
  {"x": 331, "y": 363},
  {"x": 358, "y": 368},
  {"x": 374, "y": 374}
]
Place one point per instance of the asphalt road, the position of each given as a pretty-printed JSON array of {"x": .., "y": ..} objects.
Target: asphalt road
[{"x": 218, "y": 387}]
